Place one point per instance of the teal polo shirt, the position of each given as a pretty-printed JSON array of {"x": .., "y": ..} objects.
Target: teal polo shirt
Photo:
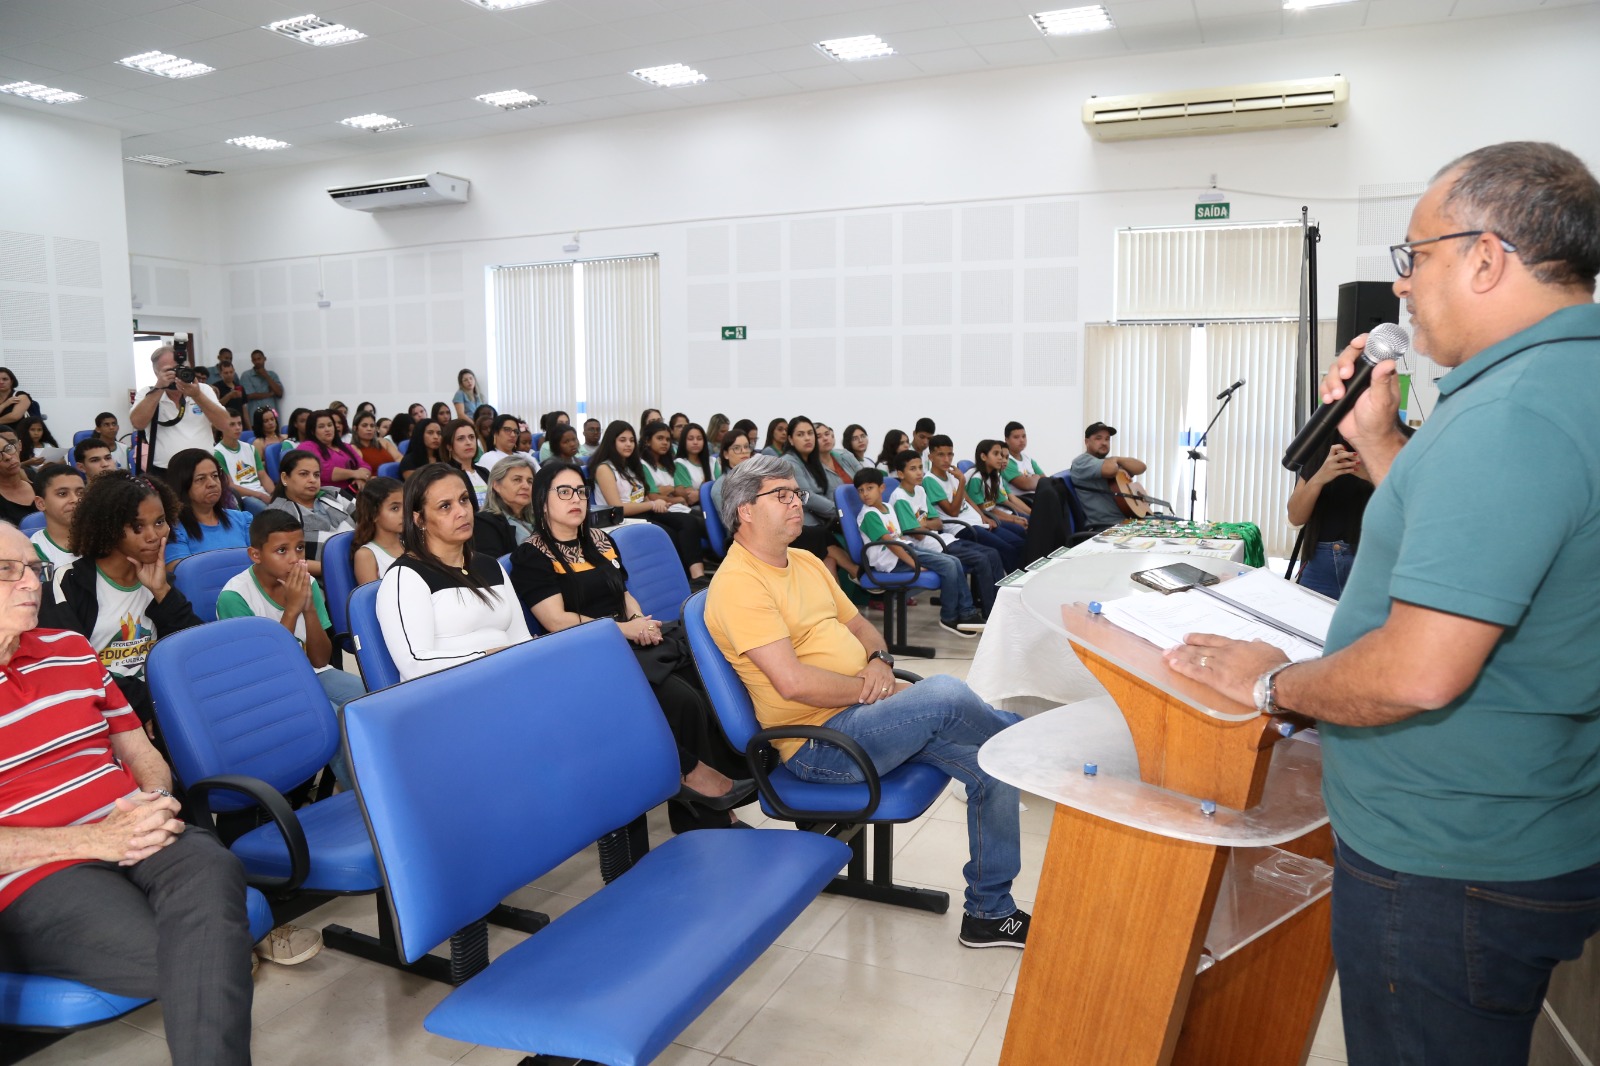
[{"x": 1491, "y": 512}]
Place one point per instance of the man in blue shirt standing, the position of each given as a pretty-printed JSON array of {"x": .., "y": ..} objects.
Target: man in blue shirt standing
[{"x": 1459, "y": 694}]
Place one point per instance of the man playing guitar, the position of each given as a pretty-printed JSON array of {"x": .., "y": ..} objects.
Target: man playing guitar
[{"x": 1101, "y": 477}]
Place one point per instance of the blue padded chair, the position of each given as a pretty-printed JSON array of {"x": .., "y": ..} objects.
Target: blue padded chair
[
  {"x": 372, "y": 654},
  {"x": 272, "y": 457},
  {"x": 32, "y": 523},
  {"x": 404, "y": 445},
  {"x": 880, "y": 801},
  {"x": 655, "y": 573},
  {"x": 338, "y": 581},
  {"x": 716, "y": 532},
  {"x": 538, "y": 439},
  {"x": 964, "y": 465},
  {"x": 248, "y": 436},
  {"x": 200, "y": 577},
  {"x": 52, "y": 1004},
  {"x": 527, "y": 612},
  {"x": 82, "y": 434},
  {"x": 616, "y": 978},
  {"x": 892, "y": 586},
  {"x": 890, "y": 484},
  {"x": 245, "y": 721},
  {"x": 389, "y": 470}
]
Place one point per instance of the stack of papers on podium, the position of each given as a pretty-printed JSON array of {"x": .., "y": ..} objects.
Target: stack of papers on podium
[{"x": 1258, "y": 606}]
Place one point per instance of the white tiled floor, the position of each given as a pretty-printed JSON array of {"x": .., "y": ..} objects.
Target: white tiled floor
[{"x": 849, "y": 982}]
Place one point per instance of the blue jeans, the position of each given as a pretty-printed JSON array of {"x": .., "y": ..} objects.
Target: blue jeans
[
  {"x": 1329, "y": 568},
  {"x": 1441, "y": 971},
  {"x": 984, "y": 566},
  {"x": 941, "y": 722},
  {"x": 955, "y": 597},
  {"x": 1005, "y": 540},
  {"x": 341, "y": 689}
]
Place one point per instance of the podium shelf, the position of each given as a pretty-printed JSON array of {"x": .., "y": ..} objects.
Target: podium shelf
[
  {"x": 1261, "y": 889},
  {"x": 1046, "y": 755}
]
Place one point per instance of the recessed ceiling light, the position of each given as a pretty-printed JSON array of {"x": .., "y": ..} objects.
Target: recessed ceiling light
[
  {"x": 166, "y": 66},
  {"x": 669, "y": 76},
  {"x": 374, "y": 123},
  {"x": 309, "y": 29},
  {"x": 510, "y": 99},
  {"x": 1302, "y": 5},
  {"x": 154, "y": 160},
  {"x": 868, "y": 46},
  {"x": 42, "y": 93},
  {"x": 1067, "y": 20},
  {"x": 503, "y": 5},
  {"x": 261, "y": 144}
]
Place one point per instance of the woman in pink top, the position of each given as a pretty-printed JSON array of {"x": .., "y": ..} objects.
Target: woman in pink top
[{"x": 342, "y": 467}]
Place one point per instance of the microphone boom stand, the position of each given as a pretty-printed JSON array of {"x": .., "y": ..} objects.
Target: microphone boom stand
[{"x": 1195, "y": 458}]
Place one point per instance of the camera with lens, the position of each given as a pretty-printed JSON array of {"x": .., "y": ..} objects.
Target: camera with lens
[{"x": 180, "y": 355}]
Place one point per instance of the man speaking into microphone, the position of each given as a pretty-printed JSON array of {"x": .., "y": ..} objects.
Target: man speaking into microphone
[{"x": 1459, "y": 695}]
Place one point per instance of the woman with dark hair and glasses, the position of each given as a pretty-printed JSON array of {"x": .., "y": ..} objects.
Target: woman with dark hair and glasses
[
  {"x": 852, "y": 451},
  {"x": 442, "y": 603},
  {"x": 620, "y": 480},
  {"x": 118, "y": 593},
  {"x": 207, "y": 518},
  {"x": 818, "y": 482},
  {"x": 568, "y": 573},
  {"x": 733, "y": 450}
]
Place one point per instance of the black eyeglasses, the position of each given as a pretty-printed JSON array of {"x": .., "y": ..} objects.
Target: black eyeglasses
[
  {"x": 786, "y": 495},
  {"x": 1404, "y": 261},
  {"x": 568, "y": 492},
  {"x": 11, "y": 570}
]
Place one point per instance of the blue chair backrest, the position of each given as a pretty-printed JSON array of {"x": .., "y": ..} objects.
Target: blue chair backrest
[
  {"x": 522, "y": 824},
  {"x": 272, "y": 456},
  {"x": 239, "y": 696},
  {"x": 82, "y": 434},
  {"x": 248, "y": 436},
  {"x": 729, "y": 698},
  {"x": 389, "y": 470},
  {"x": 890, "y": 484},
  {"x": 716, "y": 532},
  {"x": 849, "y": 504},
  {"x": 527, "y": 612},
  {"x": 372, "y": 654},
  {"x": 31, "y": 523},
  {"x": 404, "y": 445},
  {"x": 338, "y": 579},
  {"x": 965, "y": 466},
  {"x": 655, "y": 574},
  {"x": 538, "y": 439},
  {"x": 200, "y": 577}
]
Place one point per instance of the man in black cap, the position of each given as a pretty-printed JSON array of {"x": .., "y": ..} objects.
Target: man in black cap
[{"x": 1090, "y": 471}]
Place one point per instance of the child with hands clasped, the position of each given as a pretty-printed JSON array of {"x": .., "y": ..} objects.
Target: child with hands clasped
[{"x": 890, "y": 550}]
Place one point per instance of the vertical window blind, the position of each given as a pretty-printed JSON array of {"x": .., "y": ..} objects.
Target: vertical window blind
[
  {"x": 622, "y": 336},
  {"x": 535, "y": 357},
  {"x": 1245, "y": 478},
  {"x": 1136, "y": 378},
  {"x": 1208, "y": 273}
]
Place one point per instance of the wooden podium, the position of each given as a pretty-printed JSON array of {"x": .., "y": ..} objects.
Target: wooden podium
[{"x": 1155, "y": 937}]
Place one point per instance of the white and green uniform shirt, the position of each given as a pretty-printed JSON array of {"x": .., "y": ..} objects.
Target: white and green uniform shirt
[
  {"x": 975, "y": 491},
  {"x": 910, "y": 508},
  {"x": 875, "y": 525},
  {"x": 123, "y": 632},
  {"x": 381, "y": 556},
  {"x": 1020, "y": 464},
  {"x": 243, "y": 597},
  {"x": 50, "y": 551},
  {"x": 687, "y": 474},
  {"x": 630, "y": 490},
  {"x": 240, "y": 464},
  {"x": 942, "y": 489}
]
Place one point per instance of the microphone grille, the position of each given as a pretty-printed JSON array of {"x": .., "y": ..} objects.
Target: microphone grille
[{"x": 1387, "y": 341}]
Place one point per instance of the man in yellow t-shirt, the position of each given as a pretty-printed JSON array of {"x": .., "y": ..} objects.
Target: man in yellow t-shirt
[{"x": 808, "y": 657}]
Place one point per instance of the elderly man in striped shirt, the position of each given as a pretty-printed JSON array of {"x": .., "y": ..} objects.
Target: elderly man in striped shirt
[{"x": 100, "y": 882}]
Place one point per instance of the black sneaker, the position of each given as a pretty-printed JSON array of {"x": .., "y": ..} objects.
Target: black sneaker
[{"x": 1008, "y": 932}]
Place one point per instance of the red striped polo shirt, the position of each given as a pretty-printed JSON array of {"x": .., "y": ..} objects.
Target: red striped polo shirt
[{"x": 58, "y": 709}]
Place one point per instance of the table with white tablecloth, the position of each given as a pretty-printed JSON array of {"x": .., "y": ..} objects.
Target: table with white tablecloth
[{"x": 1023, "y": 653}]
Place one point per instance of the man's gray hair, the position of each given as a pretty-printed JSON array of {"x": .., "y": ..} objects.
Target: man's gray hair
[
  {"x": 742, "y": 485},
  {"x": 165, "y": 349},
  {"x": 1537, "y": 197}
]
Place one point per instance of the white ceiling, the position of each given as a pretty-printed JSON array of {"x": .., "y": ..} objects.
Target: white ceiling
[{"x": 425, "y": 60}]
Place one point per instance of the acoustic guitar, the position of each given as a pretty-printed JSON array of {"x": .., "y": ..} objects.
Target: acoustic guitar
[{"x": 1129, "y": 495}]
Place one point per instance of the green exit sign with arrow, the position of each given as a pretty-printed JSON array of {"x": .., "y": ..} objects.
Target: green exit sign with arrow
[
  {"x": 1211, "y": 212},
  {"x": 733, "y": 333}
]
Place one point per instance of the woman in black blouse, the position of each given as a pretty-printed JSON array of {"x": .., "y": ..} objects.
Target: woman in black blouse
[
  {"x": 1328, "y": 501},
  {"x": 568, "y": 573}
]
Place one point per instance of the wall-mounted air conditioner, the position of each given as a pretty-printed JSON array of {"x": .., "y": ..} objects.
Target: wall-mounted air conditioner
[
  {"x": 1273, "y": 105},
  {"x": 423, "y": 190}
]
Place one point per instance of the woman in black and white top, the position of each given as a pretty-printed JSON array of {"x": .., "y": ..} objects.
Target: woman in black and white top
[{"x": 441, "y": 603}]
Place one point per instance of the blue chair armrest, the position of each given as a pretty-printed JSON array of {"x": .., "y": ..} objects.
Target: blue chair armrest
[
  {"x": 283, "y": 816},
  {"x": 755, "y": 755}
]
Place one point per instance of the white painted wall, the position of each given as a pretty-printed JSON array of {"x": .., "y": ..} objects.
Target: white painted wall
[
  {"x": 64, "y": 312},
  {"x": 408, "y": 288}
]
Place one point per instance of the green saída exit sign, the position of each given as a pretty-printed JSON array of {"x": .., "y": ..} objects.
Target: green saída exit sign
[
  {"x": 1211, "y": 212},
  {"x": 733, "y": 333}
]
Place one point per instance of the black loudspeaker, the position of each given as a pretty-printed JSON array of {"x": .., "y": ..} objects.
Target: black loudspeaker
[{"x": 1362, "y": 305}]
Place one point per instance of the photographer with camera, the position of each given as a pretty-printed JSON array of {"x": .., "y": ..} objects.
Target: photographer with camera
[{"x": 178, "y": 412}]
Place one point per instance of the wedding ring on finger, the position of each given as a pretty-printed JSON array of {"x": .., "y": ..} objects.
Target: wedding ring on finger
[{"x": 1202, "y": 662}]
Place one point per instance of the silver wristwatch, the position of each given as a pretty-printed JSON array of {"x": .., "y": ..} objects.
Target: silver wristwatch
[{"x": 1266, "y": 690}]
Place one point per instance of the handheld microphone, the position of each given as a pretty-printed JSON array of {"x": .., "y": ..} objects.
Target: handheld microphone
[
  {"x": 1387, "y": 341},
  {"x": 1231, "y": 389}
]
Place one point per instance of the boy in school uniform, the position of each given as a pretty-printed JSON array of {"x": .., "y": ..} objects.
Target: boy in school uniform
[
  {"x": 250, "y": 482},
  {"x": 279, "y": 586},
  {"x": 947, "y": 495},
  {"x": 912, "y": 510},
  {"x": 889, "y": 550},
  {"x": 59, "y": 487},
  {"x": 1021, "y": 474}
]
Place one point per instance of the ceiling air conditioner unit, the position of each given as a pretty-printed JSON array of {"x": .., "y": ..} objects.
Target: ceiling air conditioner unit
[
  {"x": 1275, "y": 105},
  {"x": 423, "y": 190}
]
